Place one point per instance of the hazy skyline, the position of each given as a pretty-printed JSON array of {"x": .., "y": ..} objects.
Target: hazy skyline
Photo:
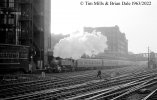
[{"x": 138, "y": 22}]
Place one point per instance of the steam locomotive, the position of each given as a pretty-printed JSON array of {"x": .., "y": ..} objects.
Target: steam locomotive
[{"x": 61, "y": 65}]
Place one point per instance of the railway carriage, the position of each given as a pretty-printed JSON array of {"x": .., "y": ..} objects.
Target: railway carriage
[{"x": 84, "y": 64}]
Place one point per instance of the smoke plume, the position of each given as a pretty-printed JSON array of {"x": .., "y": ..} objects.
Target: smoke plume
[{"x": 78, "y": 44}]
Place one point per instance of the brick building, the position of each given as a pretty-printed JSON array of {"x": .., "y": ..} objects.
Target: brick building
[{"x": 116, "y": 40}]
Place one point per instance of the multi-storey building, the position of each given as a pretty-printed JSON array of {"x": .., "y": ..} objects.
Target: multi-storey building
[
  {"x": 116, "y": 41},
  {"x": 24, "y": 28},
  {"x": 41, "y": 28}
]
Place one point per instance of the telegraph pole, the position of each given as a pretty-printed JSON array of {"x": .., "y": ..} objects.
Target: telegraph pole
[{"x": 148, "y": 57}]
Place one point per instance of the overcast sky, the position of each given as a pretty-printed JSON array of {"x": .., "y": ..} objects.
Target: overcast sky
[{"x": 138, "y": 22}]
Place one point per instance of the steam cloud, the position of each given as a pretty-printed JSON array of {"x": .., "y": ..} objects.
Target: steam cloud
[{"x": 78, "y": 44}]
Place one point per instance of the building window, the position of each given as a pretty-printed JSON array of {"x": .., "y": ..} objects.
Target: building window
[
  {"x": 5, "y": 19},
  {"x": 11, "y": 3},
  {"x": 11, "y": 21}
]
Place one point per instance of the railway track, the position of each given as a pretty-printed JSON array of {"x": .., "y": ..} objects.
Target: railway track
[
  {"x": 115, "y": 92},
  {"x": 85, "y": 90},
  {"x": 147, "y": 83},
  {"x": 43, "y": 84},
  {"x": 151, "y": 96},
  {"x": 13, "y": 79},
  {"x": 39, "y": 85}
]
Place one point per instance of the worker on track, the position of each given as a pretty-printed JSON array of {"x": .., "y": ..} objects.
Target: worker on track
[{"x": 99, "y": 74}]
